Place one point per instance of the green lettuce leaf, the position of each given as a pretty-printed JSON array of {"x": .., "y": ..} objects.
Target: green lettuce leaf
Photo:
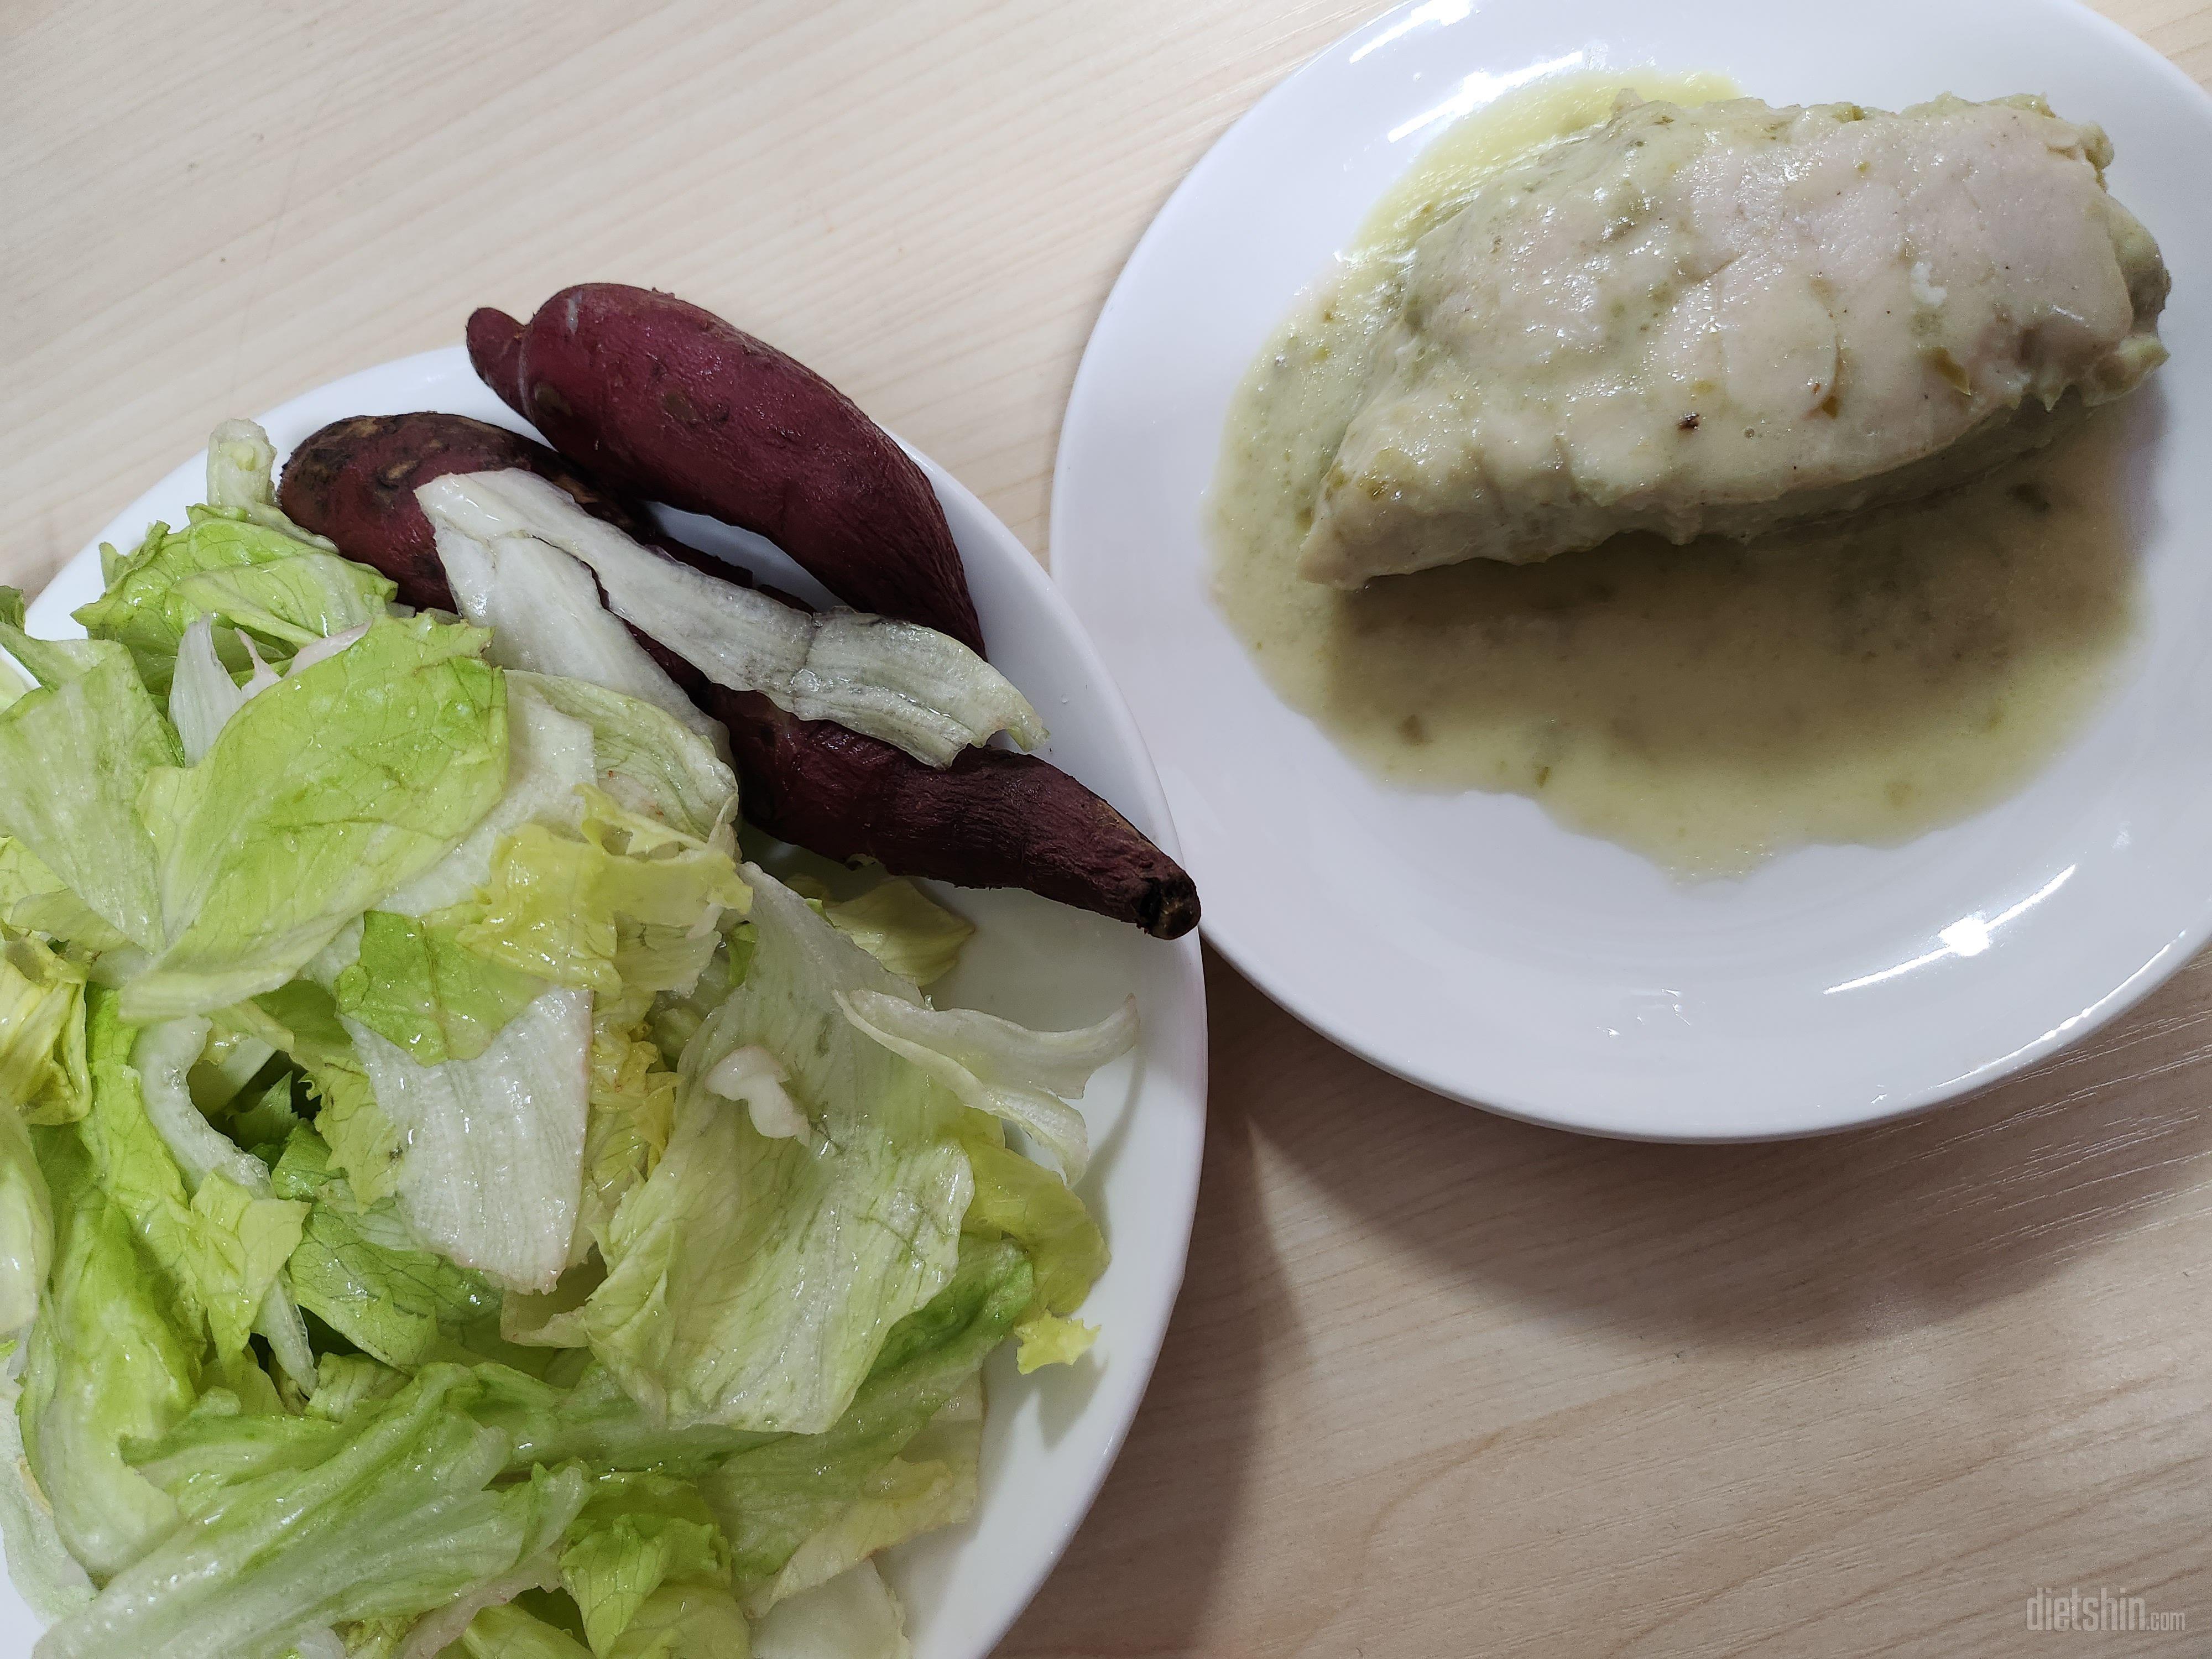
[
  {"x": 903, "y": 928},
  {"x": 1050, "y": 1339},
  {"x": 106, "y": 1364},
  {"x": 74, "y": 755},
  {"x": 1025, "y": 1077},
  {"x": 284, "y": 591},
  {"x": 686, "y": 1621},
  {"x": 164, "y": 1056},
  {"x": 231, "y": 1060},
  {"x": 1018, "y": 1199},
  {"x": 40, "y": 1566},
  {"x": 252, "y": 1237},
  {"x": 772, "y": 1499},
  {"x": 751, "y": 1281},
  {"x": 42, "y": 1064},
  {"x": 507, "y": 1632},
  {"x": 653, "y": 957},
  {"x": 205, "y": 695},
  {"x": 348, "y": 1381},
  {"x": 322, "y": 794},
  {"x": 853, "y": 1616},
  {"x": 302, "y": 1019},
  {"x": 441, "y": 1632},
  {"x": 241, "y": 482},
  {"x": 219, "y": 1444},
  {"x": 241, "y": 1377},
  {"x": 13, "y": 683},
  {"x": 416, "y": 986},
  {"x": 597, "y": 1423},
  {"x": 554, "y": 901},
  {"x": 676, "y": 1017},
  {"x": 647, "y": 760},
  {"x": 361, "y": 1272},
  {"x": 548, "y": 1319},
  {"x": 133, "y": 1167},
  {"x": 213, "y": 1253},
  {"x": 265, "y": 1121},
  {"x": 549, "y": 761},
  {"x": 34, "y": 899},
  {"x": 932, "y": 1483},
  {"x": 493, "y": 1174},
  {"x": 633, "y": 1111},
  {"x": 249, "y": 1230},
  {"x": 372, "y": 1638},
  {"x": 27, "y": 1225},
  {"x": 635, "y": 1533},
  {"x": 399, "y": 1519}
]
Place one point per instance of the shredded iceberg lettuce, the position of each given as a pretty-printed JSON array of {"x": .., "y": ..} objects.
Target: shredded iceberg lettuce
[
  {"x": 241, "y": 482},
  {"x": 854, "y": 1616},
  {"x": 26, "y": 1227},
  {"x": 244, "y": 575},
  {"x": 492, "y": 1175},
  {"x": 544, "y": 613},
  {"x": 657, "y": 766},
  {"x": 320, "y": 796},
  {"x": 400, "y": 1518},
  {"x": 419, "y": 988},
  {"x": 751, "y": 1281},
  {"x": 449, "y": 1205},
  {"x": 43, "y": 1072},
  {"x": 903, "y": 928},
  {"x": 627, "y": 899},
  {"x": 906, "y": 685},
  {"x": 997, "y": 1067},
  {"x": 361, "y": 1271},
  {"x": 74, "y": 756},
  {"x": 109, "y": 1362}
]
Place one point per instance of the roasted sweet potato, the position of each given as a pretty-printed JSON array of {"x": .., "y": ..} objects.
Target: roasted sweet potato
[
  {"x": 671, "y": 404},
  {"x": 992, "y": 819}
]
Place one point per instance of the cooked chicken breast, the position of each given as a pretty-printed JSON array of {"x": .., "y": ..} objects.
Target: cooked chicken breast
[{"x": 1731, "y": 318}]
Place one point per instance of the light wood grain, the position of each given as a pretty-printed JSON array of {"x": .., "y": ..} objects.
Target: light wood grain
[{"x": 1439, "y": 1384}]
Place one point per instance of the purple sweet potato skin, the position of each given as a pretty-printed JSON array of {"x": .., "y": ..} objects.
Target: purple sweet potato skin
[
  {"x": 669, "y": 403},
  {"x": 992, "y": 819},
  {"x": 355, "y": 481}
]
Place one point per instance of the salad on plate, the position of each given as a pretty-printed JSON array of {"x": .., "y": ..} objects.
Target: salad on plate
[{"x": 467, "y": 1192}]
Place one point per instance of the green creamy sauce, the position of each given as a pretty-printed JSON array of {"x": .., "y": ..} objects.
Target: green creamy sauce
[{"x": 1706, "y": 706}]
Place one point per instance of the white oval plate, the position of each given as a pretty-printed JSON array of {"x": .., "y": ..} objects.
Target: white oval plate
[
  {"x": 1468, "y": 943},
  {"x": 1049, "y": 1437}
]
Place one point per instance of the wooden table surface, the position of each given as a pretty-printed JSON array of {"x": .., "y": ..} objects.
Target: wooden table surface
[{"x": 1439, "y": 1384}]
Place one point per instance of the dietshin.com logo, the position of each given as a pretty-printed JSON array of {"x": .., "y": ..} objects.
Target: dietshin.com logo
[{"x": 2098, "y": 1612}]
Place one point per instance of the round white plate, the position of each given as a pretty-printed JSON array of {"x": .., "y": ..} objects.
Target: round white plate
[
  {"x": 1049, "y": 1437},
  {"x": 1467, "y": 942}
]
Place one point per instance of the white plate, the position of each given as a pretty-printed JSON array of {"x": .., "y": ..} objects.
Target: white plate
[
  {"x": 1051, "y": 1437},
  {"x": 1469, "y": 943}
]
